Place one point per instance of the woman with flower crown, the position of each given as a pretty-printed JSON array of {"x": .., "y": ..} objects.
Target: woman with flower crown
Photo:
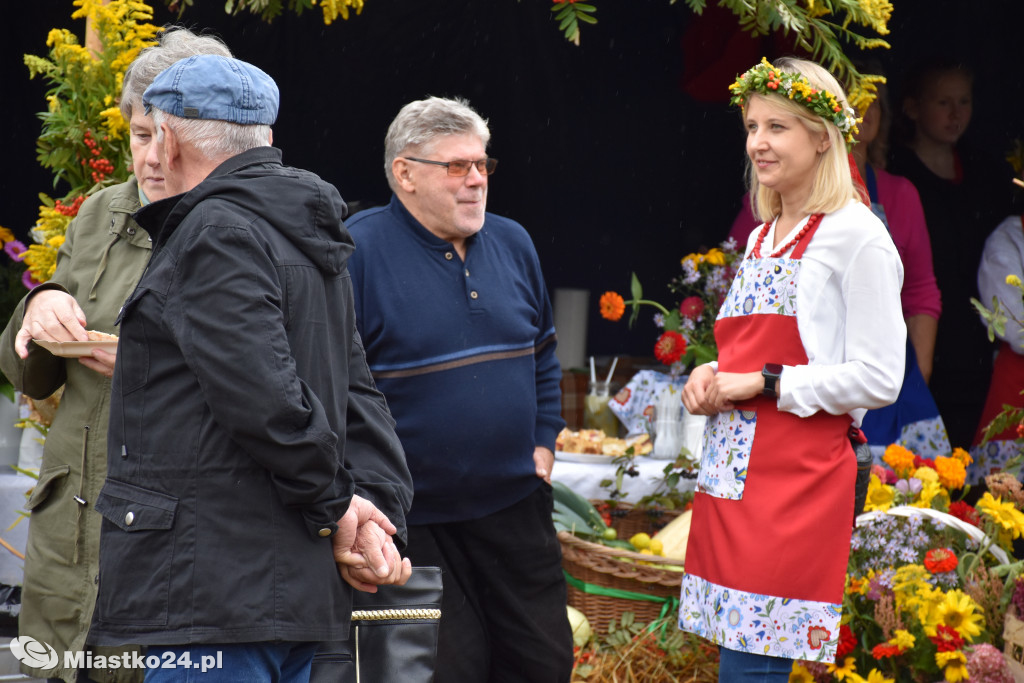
[{"x": 810, "y": 336}]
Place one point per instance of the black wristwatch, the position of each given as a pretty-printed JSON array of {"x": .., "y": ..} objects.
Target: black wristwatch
[{"x": 771, "y": 372}]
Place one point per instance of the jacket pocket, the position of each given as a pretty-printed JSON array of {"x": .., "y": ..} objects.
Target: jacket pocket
[
  {"x": 132, "y": 348},
  {"x": 136, "y": 550},
  {"x": 48, "y": 479}
]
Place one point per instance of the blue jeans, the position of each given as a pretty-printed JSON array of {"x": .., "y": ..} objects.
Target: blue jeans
[
  {"x": 234, "y": 663},
  {"x": 743, "y": 667}
]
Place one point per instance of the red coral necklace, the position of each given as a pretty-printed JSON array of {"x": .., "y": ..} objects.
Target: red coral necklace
[{"x": 811, "y": 223}]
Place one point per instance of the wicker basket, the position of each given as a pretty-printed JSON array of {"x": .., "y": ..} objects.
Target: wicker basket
[
  {"x": 1013, "y": 648},
  {"x": 597, "y": 565}
]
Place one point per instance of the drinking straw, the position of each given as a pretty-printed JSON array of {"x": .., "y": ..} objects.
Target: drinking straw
[
  {"x": 612, "y": 371},
  {"x": 593, "y": 372}
]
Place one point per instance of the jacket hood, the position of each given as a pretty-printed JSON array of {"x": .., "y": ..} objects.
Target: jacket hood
[{"x": 298, "y": 204}]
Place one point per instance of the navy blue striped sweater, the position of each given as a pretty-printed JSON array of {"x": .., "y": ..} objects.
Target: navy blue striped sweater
[{"x": 464, "y": 352}]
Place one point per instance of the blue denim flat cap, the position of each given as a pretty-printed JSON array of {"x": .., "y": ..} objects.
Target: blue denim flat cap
[{"x": 214, "y": 87}]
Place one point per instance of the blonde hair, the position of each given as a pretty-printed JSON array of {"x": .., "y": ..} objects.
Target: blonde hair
[{"x": 833, "y": 186}]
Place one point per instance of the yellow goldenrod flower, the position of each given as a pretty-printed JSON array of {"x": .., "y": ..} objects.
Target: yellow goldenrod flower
[
  {"x": 903, "y": 639},
  {"x": 5, "y": 235},
  {"x": 114, "y": 122},
  {"x": 878, "y": 13},
  {"x": 41, "y": 261},
  {"x": 928, "y": 611},
  {"x": 332, "y": 8},
  {"x": 1013, "y": 280}
]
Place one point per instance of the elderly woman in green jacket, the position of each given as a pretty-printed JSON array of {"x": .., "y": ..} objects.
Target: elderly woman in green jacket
[{"x": 103, "y": 257}]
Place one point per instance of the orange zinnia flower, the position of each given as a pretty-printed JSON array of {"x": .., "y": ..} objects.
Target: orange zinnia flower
[{"x": 612, "y": 306}]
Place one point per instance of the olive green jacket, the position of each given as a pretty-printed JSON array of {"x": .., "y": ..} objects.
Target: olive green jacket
[{"x": 103, "y": 256}]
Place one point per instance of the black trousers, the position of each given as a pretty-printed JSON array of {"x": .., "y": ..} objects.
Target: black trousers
[{"x": 503, "y": 615}]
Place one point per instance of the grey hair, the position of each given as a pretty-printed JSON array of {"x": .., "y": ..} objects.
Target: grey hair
[
  {"x": 175, "y": 44},
  {"x": 216, "y": 140},
  {"x": 419, "y": 123}
]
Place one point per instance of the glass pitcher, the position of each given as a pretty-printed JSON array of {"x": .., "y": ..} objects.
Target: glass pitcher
[{"x": 596, "y": 412}]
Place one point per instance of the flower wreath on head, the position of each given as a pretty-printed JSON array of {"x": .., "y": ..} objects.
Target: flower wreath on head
[{"x": 765, "y": 79}]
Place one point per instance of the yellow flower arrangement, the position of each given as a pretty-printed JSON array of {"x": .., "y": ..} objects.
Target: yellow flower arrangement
[
  {"x": 84, "y": 138},
  {"x": 925, "y": 592}
]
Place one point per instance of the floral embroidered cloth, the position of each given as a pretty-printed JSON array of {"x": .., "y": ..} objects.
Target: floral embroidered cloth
[{"x": 634, "y": 404}]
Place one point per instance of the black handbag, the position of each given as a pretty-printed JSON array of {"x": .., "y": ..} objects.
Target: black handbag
[
  {"x": 393, "y": 637},
  {"x": 864, "y": 459}
]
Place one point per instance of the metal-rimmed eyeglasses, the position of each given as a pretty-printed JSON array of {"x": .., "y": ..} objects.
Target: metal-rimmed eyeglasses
[{"x": 460, "y": 167}]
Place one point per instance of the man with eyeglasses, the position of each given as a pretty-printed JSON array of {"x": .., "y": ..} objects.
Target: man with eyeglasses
[{"x": 453, "y": 310}]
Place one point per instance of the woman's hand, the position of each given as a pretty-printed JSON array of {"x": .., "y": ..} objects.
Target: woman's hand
[
  {"x": 728, "y": 388},
  {"x": 52, "y": 315},
  {"x": 710, "y": 393},
  {"x": 101, "y": 361},
  {"x": 695, "y": 390}
]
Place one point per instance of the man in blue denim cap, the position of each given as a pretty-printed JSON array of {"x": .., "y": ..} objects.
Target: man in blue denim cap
[{"x": 249, "y": 450}]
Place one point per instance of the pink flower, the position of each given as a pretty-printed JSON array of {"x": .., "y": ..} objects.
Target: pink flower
[
  {"x": 15, "y": 249},
  {"x": 26, "y": 279},
  {"x": 691, "y": 307},
  {"x": 985, "y": 664}
]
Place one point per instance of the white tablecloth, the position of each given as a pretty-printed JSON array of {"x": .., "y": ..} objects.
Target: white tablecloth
[{"x": 585, "y": 478}]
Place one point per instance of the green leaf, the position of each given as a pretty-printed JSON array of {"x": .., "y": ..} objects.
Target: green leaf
[
  {"x": 673, "y": 321},
  {"x": 635, "y": 290},
  {"x": 587, "y": 18}
]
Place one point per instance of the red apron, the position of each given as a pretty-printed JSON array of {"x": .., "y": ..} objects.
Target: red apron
[
  {"x": 770, "y": 536},
  {"x": 1007, "y": 383}
]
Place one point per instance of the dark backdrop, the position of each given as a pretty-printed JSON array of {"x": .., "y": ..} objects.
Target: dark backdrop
[{"x": 619, "y": 155}]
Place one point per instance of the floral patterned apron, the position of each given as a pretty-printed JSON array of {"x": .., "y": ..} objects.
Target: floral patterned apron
[{"x": 770, "y": 536}]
